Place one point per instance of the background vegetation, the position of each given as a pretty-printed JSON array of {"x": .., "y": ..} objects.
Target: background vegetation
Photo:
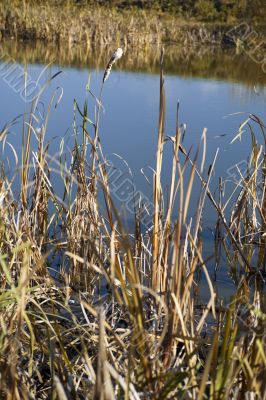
[
  {"x": 201, "y": 9},
  {"x": 127, "y": 22},
  {"x": 222, "y": 10}
]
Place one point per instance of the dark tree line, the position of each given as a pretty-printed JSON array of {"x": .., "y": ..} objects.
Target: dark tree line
[
  {"x": 206, "y": 10},
  {"x": 222, "y": 10}
]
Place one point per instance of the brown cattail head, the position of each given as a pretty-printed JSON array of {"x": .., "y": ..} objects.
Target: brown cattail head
[{"x": 117, "y": 54}]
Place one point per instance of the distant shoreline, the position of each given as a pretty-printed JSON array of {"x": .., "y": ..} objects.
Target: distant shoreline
[{"x": 96, "y": 26}]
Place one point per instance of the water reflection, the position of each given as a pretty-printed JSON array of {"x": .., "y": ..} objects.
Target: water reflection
[{"x": 203, "y": 62}]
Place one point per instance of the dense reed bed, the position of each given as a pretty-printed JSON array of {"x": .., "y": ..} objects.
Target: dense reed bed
[
  {"x": 71, "y": 22},
  {"x": 93, "y": 310}
]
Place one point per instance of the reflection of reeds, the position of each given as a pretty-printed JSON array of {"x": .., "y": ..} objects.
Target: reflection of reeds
[
  {"x": 205, "y": 62},
  {"x": 147, "y": 336}
]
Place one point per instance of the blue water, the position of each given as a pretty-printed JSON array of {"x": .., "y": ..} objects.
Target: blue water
[{"x": 129, "y": 121}]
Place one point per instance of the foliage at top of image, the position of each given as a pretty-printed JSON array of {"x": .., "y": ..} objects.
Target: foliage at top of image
[{"x": 204, "y": 10}]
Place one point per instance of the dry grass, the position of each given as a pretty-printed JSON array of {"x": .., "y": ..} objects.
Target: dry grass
[
  {"x": 145, "y": 338},
  {"x": 95, "y": 26}
]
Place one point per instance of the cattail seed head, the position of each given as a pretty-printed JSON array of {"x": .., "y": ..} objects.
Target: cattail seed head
[{"x": 116, "y": 56}]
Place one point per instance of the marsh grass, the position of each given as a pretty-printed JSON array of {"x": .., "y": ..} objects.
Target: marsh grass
[
  {"x": 94, "y": 25},
  {"x": 144, "y": 337}
]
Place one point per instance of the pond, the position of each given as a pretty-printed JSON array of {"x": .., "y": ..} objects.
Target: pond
[{"x": 216, "y": 89}]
